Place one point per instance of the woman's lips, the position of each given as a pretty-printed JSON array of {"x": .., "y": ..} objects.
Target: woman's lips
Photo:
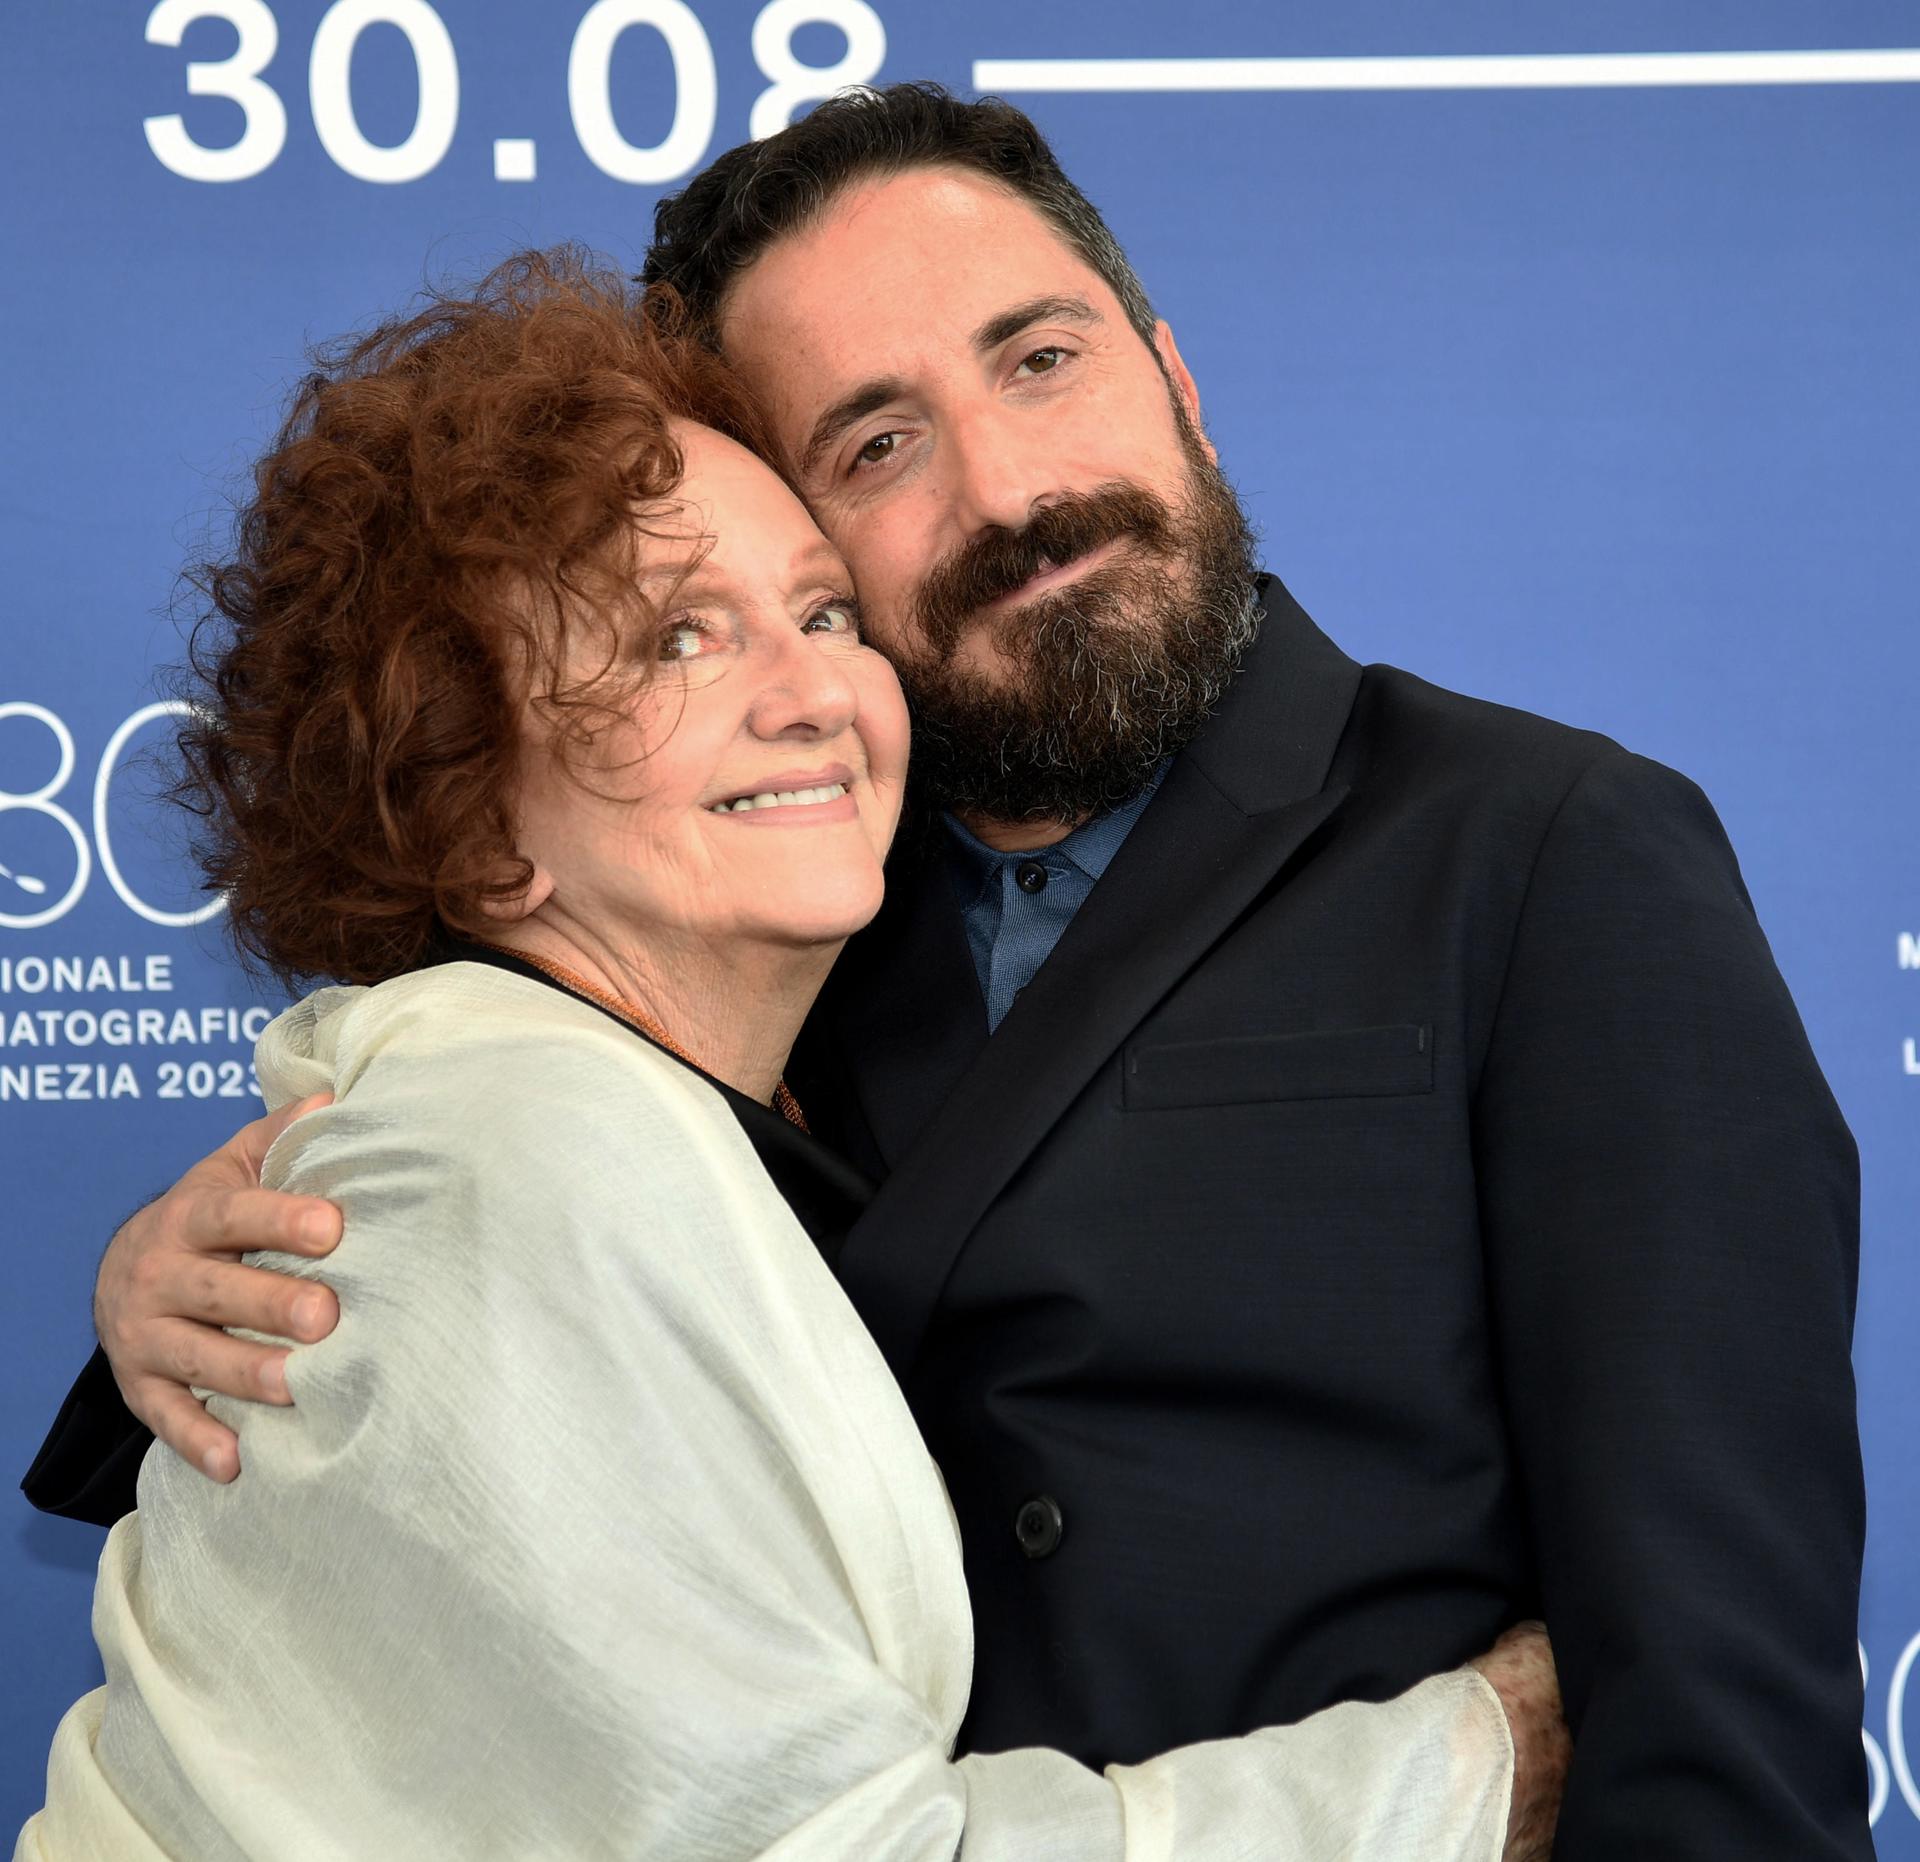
[
  {"x": 792, "y": 799},
  {"x": 794, "y": 814}
]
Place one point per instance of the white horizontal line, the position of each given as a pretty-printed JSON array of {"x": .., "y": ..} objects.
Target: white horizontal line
[{"x": 1527, "y": 71}]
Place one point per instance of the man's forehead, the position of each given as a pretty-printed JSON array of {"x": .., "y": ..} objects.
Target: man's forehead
[{"x": 893, "y": 273}]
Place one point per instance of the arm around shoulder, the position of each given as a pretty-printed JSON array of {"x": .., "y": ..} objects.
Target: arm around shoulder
[
  {"x": 599, "y": 1520},
  {"x": 169, "y": 1282}
]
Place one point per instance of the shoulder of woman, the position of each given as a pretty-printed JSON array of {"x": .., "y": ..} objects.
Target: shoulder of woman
[
  {"x": 524, "y": 1154},
  {"x": 452, "y": 1015},
  {"x": 497, "y": 1074}
]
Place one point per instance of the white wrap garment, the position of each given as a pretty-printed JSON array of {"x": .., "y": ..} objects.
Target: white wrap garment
[{"x": 599, "y": 1528}]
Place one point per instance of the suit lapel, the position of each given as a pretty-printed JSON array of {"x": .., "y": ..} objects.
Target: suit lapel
[{"x": 1236, "y": 806}]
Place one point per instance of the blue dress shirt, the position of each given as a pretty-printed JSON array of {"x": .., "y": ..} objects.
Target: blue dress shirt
[{"x": 1016, "y": 905}]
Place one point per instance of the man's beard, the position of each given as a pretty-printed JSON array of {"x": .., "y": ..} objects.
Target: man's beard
[{"x": 1102, "y": 679}]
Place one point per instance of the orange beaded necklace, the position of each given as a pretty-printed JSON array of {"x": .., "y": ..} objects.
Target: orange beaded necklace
[{"x": 635, "y": 1017}]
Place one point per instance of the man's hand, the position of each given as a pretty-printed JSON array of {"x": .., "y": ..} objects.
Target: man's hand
[
  {"x": 172, "y": 1278},
  {"x": 1520, "y": 1669}
]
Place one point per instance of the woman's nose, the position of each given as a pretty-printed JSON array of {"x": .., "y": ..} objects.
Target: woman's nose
[{"x": 805, "y": 688}]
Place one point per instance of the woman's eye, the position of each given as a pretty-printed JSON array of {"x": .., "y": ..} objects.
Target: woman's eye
[
  {"x": 838, "y": 617},
  {"x": 682, "y": 640}
]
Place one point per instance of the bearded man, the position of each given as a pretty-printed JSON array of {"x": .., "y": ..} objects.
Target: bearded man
[{"x": 1349, "y": 1172}]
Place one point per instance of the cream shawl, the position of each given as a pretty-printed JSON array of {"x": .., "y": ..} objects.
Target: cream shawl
[{"x": 599, "y": 1528}]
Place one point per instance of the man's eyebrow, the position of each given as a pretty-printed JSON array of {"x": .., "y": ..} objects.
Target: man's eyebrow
[
  {"x": 866, "y": 399},
  {"x": 1010, "y": 322},
  {"x": 870, "y": 396}
]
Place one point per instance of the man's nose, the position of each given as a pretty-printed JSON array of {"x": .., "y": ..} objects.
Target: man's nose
[
  {"x": 1000, "y": 471},
  {"x": 805, "y": 686}
]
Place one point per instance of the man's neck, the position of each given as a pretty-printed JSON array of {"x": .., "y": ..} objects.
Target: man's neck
[{"x": 1018, "y": 836}]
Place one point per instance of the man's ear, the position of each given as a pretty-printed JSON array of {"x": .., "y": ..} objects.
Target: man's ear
[{"x": 1180, "y": 380}]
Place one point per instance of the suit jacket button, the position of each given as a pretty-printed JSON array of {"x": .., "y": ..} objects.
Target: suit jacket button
[{"x": 1038, "y": 1526}]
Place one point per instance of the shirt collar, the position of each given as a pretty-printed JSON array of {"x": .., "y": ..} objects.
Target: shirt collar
[{"x": 1089, "y": 848}]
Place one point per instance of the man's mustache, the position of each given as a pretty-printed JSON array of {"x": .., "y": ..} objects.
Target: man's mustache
[{"x": 997, "y": 562}]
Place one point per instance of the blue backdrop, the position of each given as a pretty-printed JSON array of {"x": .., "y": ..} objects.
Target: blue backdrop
[{"x": 1589, "y": 387}]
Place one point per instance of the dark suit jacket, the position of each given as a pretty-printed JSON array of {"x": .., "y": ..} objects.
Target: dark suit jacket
[{"x": 1405, "y": 1201}]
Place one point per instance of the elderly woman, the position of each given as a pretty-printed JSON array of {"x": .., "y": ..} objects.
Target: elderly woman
[{"x": 538, "y": 717}]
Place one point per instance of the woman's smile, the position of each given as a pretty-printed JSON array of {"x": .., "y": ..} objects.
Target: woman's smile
[{"x": 808, "y": 798}]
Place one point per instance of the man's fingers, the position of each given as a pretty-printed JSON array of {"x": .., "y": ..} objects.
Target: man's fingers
[
  {"x": 203, "y": 1355},
  {"x": 232, "y": 1221},
  {"x": 216, "y": 1292},
  {"x": 163, "y": 1294},
  {"x": 184, "y": 1425},
  {"x": 251, "y": 1143}
]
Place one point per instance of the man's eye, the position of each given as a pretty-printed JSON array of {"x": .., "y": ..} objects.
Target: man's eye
[
  {"x": 1042, "y": 360},
  {"x": 877, "y": 450}
]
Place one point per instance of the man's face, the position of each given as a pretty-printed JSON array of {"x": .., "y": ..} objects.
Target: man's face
[{"x": 1017, "y": 482}]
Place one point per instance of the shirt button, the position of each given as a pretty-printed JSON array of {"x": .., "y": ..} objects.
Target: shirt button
[
  {"x": 1039, "y": 1527},
  {"x": 1030, "y": 876}
]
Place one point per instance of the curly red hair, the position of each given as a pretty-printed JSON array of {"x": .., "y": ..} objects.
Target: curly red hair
[{"x": 449, "y": 500}]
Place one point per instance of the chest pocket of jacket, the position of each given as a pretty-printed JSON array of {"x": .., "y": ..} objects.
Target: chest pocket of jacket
[{"x": 1332, "y": 1063}]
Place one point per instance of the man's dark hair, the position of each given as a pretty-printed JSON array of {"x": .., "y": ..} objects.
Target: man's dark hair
[{"x": 705, "y": 236}]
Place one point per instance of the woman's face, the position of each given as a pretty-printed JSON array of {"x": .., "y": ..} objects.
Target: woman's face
[{"x": 750, "y": 791}]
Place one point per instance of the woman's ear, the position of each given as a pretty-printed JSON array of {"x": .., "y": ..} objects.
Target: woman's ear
[{"x": 512, "y": 907}]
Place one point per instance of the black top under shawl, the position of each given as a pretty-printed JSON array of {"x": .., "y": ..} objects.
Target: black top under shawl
[{"x": 824, "y": 1191}]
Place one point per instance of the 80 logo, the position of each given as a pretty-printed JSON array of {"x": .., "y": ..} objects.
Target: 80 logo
[{"x": 20, "y": 888}]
